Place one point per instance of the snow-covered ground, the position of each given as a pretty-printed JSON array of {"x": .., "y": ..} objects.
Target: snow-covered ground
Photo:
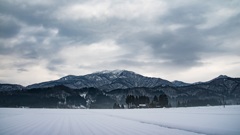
[{"x": 173, "y": 121}]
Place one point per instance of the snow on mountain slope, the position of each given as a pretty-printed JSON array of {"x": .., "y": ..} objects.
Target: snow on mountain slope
[
  {"x": 174, "y": 121},
  {"x": 106, "y": 80},
  {"x": 180, "y": 83}
]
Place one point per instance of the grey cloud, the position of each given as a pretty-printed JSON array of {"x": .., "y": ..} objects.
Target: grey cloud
[
  {"x": 17, "y": 65},
  {"x": 54, "y": 63},
  {"x": 189, "y": 15},
  {"x": 8, "y": 27},
  {"x": 227, "y": 36},
  {"x": 131, "y": 63},
  {"x": 24, "y": 50},
  {"x": 25, "y": 13},
  {"x": 181, "y": 48},
  {"x": 81, "y": 31},
  {"x": 8, "y": 30},
  {"x": 227, "y": 29},
  {"x": 41, "y": 15},
  {"x": 22, "y": 70}
]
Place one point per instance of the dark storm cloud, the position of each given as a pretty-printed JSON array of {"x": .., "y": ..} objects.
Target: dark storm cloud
[
  {"x": 32, "y": 15},
  {"x": 179, "y": 47},
  {"x": 81, "y": 32},
  {"x": 8, "y": 28},
  {"x": 227, "y": 29},
  {"x": 184, "y": 46}
]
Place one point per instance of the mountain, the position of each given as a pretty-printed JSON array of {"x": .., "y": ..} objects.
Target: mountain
[
  {"x": 224, "y": 85},
  {"x": 103, "y": 89},
  {"x": 105, "y": 80},
  {"x": 213, "y": 92},
  {"x": 10, "y": 87}
]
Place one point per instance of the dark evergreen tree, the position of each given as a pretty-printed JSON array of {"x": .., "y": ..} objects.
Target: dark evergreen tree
[
  {"x": 116, "y": 106},
  {"x": 152, "y": 105},
  {"x": 178, "y": 104},
  {"x": 136, "y": 101},
  {"x": 144, "y": 100},
  {"x": 132, "y": 100},
  {"x": 147, "y": 100},
  {"x": 163, "y": 100},
  {"x": 155, "y": 99},
  {"x": 155, "y": 102},
  {"x": 128, "y": 101}
]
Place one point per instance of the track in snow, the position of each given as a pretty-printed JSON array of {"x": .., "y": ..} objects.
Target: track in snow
[{"x": 175, "y": 121}]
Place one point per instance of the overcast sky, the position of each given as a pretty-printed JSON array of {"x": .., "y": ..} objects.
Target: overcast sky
[{"x": 187, "y": 40}]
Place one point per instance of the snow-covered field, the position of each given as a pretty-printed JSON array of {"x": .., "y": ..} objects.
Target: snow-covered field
[{"x": 173, "y": 121}]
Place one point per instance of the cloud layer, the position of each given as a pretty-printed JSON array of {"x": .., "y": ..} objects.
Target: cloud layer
[{"x": 192, "y": 41}]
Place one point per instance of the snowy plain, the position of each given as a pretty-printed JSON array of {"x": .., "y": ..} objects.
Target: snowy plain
[{"x": 165, "y": 121}]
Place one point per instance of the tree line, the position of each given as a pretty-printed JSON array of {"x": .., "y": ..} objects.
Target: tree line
[{"x": 144, "y": 101}]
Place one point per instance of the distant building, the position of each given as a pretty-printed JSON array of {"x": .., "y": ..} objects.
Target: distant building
[{"x": 142, "y": 105}]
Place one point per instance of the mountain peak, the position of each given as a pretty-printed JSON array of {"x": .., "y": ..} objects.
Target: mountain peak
[
  {"x": 222, "y": 77},
  {"x": 117, "y": 71},
  {"x": 109, "y": 71}
]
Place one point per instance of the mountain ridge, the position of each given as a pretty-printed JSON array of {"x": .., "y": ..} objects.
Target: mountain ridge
[
  {"x": 107, "y": 80},
  {"x": 103, "y": 89}
]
